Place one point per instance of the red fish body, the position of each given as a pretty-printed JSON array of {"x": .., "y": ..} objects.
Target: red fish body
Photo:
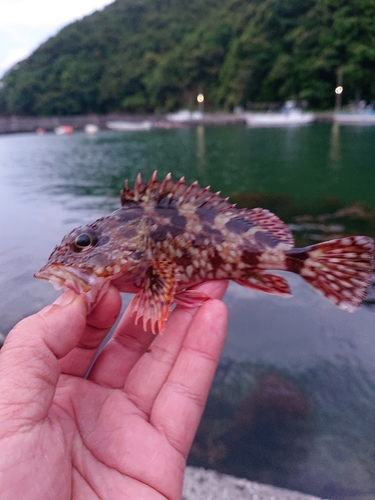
[{"x": 169, "y": 236}]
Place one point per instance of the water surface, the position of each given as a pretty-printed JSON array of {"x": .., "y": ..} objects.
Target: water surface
[{"x": 293, "y": 403}]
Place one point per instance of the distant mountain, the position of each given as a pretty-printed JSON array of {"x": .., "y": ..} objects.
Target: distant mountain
[{"x": 155, "y": 55}]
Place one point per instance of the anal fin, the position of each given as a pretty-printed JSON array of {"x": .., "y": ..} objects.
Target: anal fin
[
  {"x": 190, "y": 298},
  {"x": 154, "y": 301},
  {"x": 267, "y": 283}
]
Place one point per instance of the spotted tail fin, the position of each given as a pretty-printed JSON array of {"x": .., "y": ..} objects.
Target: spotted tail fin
[{"x": 340, "y": 269}]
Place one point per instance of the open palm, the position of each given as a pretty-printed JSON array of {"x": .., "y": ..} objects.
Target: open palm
[{"x": 126, "y": 430}]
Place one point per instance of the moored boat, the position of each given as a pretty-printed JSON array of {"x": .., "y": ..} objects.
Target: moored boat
[
  {"x": 354, "y": 118},
  {"x": 91, "y": 129},
  {"x": 128, "y": 126},
  {"x": 185, "y": 115},
  {"x": 64, "y": 130},
  {"x": 288, "y": 115},
  {"x": 358, "y": 114}
]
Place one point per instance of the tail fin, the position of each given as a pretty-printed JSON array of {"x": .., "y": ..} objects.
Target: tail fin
[{"x": 340, "y": 269}]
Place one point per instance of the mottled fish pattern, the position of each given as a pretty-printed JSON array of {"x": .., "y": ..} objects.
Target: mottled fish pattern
[{"x": 168, "y": 236}]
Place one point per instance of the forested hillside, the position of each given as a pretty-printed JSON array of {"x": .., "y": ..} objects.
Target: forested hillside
[{"x": 154, "y": 55}]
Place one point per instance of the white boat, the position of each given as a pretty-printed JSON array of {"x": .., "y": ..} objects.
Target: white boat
[
  {"x": 354, "y": 118},
  {"x": 128, "y": 126},
  {"x": 358, "y": 114},
  {"x": 289, "y": 115},
  {"x": 184, "y": 115},
  {"x": 91, "y": 129},
  {"x": 64, "y": 130}
]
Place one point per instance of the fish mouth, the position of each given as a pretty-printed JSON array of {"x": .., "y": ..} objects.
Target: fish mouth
[{"x": 91, "y": 286}]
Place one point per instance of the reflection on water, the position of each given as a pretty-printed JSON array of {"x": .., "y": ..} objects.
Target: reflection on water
[
  {"x": 334, "y": 149},
  {"x": 291, "y": 429},
  {"x": 201, "y": 156},
  {"x": 293, "y": 401},
  {"x": 201, "y": 148}
]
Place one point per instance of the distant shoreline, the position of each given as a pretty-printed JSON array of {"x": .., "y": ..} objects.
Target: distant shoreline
[{"x": 20, "y": 124}]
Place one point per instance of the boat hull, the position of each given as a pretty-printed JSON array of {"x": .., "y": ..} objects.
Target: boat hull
[{"x": 278, "y": 119}]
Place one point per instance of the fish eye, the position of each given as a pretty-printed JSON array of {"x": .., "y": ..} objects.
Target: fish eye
[
  {"x": 137, "y": 255},
  {"x": 84, "y": 241}
]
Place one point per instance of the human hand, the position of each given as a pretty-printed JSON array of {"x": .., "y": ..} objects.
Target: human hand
[{"x": 123, "y": 433}]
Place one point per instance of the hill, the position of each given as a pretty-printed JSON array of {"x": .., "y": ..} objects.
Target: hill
[{"x": 154, "y": 55}]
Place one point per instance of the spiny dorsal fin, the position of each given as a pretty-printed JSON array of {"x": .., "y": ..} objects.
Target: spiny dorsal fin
[{"x": 169, "y": 193}]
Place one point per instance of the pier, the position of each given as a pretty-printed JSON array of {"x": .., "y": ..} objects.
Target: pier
[{"x": 20, "y": 124}]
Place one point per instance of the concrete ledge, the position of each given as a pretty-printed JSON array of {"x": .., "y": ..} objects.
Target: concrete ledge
[
  {"x": 17, "y": 124},
  {"x": 201, "y": 484}
]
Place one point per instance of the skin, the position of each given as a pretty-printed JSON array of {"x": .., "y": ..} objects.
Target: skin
[{"x": 126, "y": 430}]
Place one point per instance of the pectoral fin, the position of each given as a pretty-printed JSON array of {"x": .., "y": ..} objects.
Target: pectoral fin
[
  {"x": 154, "y": 301},
  {"x": 267, "y": 283}
]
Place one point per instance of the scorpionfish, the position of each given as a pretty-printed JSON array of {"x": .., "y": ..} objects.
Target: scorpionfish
[{"x": 169, "y": 236}]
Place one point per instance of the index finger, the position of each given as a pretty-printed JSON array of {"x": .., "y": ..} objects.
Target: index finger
[
  {"x": 29, "y": 359},
  {"x": 125, "y": 352},
  {"x": 179, "y": 405},
  {"x": 98, "y": 324}
]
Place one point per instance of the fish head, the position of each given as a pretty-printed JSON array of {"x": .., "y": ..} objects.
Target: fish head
[{"x": 90, "y": 257}]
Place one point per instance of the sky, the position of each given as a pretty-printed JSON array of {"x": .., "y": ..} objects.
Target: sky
[{"x": 25, "y": 24}]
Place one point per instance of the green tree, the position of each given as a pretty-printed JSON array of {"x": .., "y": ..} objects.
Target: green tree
[{"x": 144, "y": 56}]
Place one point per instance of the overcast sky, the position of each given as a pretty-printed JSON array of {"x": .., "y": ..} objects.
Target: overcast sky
[{"x": 25, "y": 24}]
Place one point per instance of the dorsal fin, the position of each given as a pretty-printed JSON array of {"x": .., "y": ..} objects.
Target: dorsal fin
[
  {"x": 175, "y": 194},
  {"x": 170, "y": 193},
  {"x": 271, "y": 224}
]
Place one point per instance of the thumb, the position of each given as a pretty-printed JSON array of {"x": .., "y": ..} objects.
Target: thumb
[{"x": 29, "y": 367}]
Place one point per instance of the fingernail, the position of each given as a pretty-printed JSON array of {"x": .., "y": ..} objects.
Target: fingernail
[{"x": 65, "y": 299}]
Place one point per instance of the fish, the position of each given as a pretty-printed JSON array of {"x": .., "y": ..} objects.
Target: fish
[{"x": 169, "y": 236}]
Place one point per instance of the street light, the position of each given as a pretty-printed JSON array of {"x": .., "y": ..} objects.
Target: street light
[
  {"x": 200, "y": 99},
  {"x": 338, "y": 90}
]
